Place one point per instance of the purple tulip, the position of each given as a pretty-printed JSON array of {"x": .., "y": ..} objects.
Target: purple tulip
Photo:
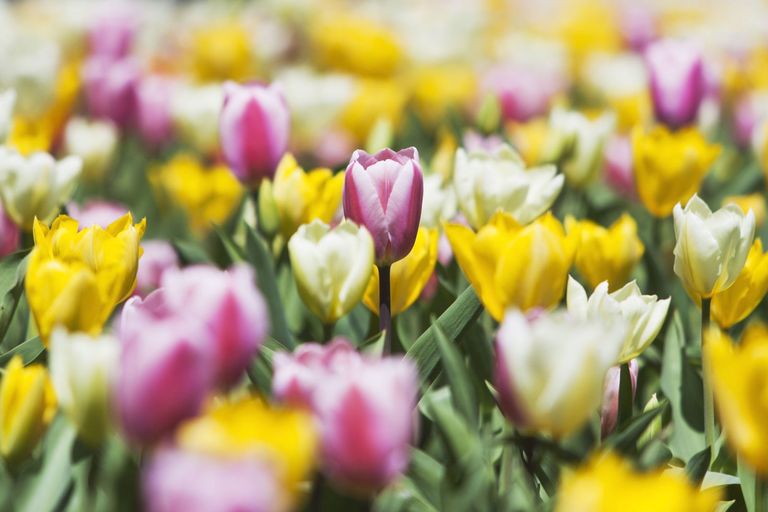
[
  {"x": 638, "y": 25},
  {"x": 384, "y": 193},
  {"x": 619, "y": 170},
  {"x": 522, "y": 93},
  {"x": 96, "y": 213},
  {"x": 153, "y": 109},
  {"x": 748, "y": 113},
  {"x": 178, "y": 480},
  {"x": 609, "y": 414},
  {"x": 9, "y": 234},
  {"x": 110, "y": 88},
  {"x": 254, "y": 127},
  {"x": 677, "y": 81},
  {"x": 158, "y": 257},
  {"x": 112, "y": 31}
]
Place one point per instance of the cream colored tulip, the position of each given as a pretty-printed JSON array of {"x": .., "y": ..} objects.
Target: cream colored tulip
[
  {"x": 94, "y": 142},
  {"x": 7, "y": 101},
  {"x": 439, "y": 203},
  {"x": 195, "y": 113}
]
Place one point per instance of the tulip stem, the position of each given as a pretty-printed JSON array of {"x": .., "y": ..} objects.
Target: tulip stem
[
  {"x": 385, "y": 311},
  {"x": 328, "y": 331},
  {"x": 709, "y": 408}
]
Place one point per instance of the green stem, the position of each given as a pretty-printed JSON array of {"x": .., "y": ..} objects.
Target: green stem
[
  {"x": 328, "y": 331},
  {"x": 709, "y": 408},
  {"x": 385, "y": 312},
  {"x": 759, "y": 493}
]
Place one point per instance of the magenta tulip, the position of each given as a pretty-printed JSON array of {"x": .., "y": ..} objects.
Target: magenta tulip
[
  {"x": 112, "y": 31},
  {"x": 153, "y": 109},
  {"x": 9, "y": 234},
  {"x": 254, "y": 127},
  {"x": 619, "y": 170},
  {"x": 677, "y": 81},
  {"x": 110, "y": 88},
  {"x": 609, "y": 413},
  {"x": 523, "y": 93},
  {"x": 159, "y": 256},
  {"x": 384, "y": 193}
]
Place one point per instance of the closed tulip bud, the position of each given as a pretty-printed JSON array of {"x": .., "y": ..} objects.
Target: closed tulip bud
[
  {"x": 733, "y": 305},
  {"x": 267, "y": 214},
  {"x": 9, "y": 234},
  {"x": 94, "y": 142},
  {"x": 643, "y": 314},
  {"x": 439, "y": 202},
  {"x": 254, "y": 128},
  {"x": 522, "y": 92},
  {"x": 619, "y": 171},
  {"x": 550, "y": 371},
  {"x": 408, "y": 276},
  {"x": 384, "y": 192},
  {"x": 7, "y": 101},
  {"x": 609, "y": 413},
  {"x": 195, "y": 114},
  {"x": 153, "y": 109},
  {"x": 76, "y": 278},
  {"x": 82, "y": 370},
  {"x": 112, "y": 31},
  {"x": 159, "y": 256},
  {"x": 711, "y": 248},
  {"x": 670, "y": 166},
  {"x": 606, "y": 254},
  {"x": 27, "y": 406},
  {"x": 677, "y": 81},
  {"x": 35, "y": 186},
  {"x": 510, "y": 265},
  {"x": 110, "y": 88},
  {"x": 331, "y": 267},
  {"x": 96, "y": 213},
  {"x": 487, "y": 182},
  {"x": 754, "y": 202}
]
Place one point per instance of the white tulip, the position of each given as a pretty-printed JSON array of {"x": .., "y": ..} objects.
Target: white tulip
[
  {"x": 7, "y": 101},
  {"x": 486, "y": 182},
  {"x": 439, "y": 202},
  {"x": 195, "y": 114},
  {"x": 643, "y": 314},
  {"x": 331, "y": 266},
  {"x": 35, "y": 185},
  {"x": 711, "y": 248},
  {"x": 81, "y": 372},
  {"x": 94, "y": 142}
]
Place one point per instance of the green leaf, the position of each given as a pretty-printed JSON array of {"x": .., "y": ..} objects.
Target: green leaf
[
  {"x": 190, "y": 252},
  {"x": 12, "y": 270},
  {"x": 624, "y": 439},
  {"x": 234, "y": 252},
  {"x": 748, "y": 483},
  {"x": 29, "y": 351},
  {"x": 698, "y": 465},
  {"x": 462, "y": 392}
]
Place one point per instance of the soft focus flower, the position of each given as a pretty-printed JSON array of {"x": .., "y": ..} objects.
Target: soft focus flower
[
  {"x": 82, "y": 372},
  {"x": 253, "y": 128},
  {"x": 331, "y": 266},
  {"x": 76, "y": 278},
  {"x": 110, "y": 88},
  {"x": 439, "y": 204},
  {"x": 676, "y": 80},
  {"x": 208, "y": 195},
  {"x": 609, "y": 412},
  {"x": 408, "y": 276},
  {"x": 221, "y": 51},
  {"x": 711, "y": 248},
  {"x": 487, "y": 182},
  {"x": 610, "y": 484},
  {"x": 158, "y": 257},
  {"x": 35, "y": 186},
  {"x": 643, "y": 314},
  {"x": 96, "y": 213},
  {"x": 94, "y": 142},
  {"x": 754, "y": 202},
  {"x": 195, "y": 113},
  {"x": 27, "y": 406},
  {"x": 670, "y": 166},
  {"x": 375, "y": 101},
  {"x": 733, "y": 305},
  {"x": 9, "y": 234},
  {"x": 112, "y": 31},
  {"x": 7, "y": 101},
  {"x": 748, "y": 116},
  {"x": 606, "y": 254},
  {"x": 619, "y": 171},
  {"x": 513, "y": 265},
  {"x": 532, "y": 139},
  {"x": 523, "y": 93},
  {"x": 441, "y": 89},
  {"x": 550, "y": 371},
  {"x": 154, "y": 98},
  {"x": 363, "y": 406},
  {"x": 384, "y": 193}
]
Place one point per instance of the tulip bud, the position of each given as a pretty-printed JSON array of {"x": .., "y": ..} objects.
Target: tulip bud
[
  {"x": 677, "y": 83},
  {"x": 82, "y": 369},
  {"x": 112, "y": 31},
  {"x": 110, "y": 88},
  {"x": 619, "y": 172},
  {"x": 153, "y": 109},
  {"x": 27, "y": 406},
  {"x": 609, "y": 414},
  {"x": 94, "y": 142},
  {"x": 487, "y": 182},
  {"x": 9, "y": 234},
  {"x": 267, "y": 215},
  {"x": 711, "y": 248},
  {"x": 733, "y": 305},
  {"x": 96, "y": 213},
  {"x": 36, "y": 185},
  {"x": 522, "y": 92},
  {"x": 754, "y": 202},
  {"x": 159, "y": 256},
  {"x": 384, "y": 192},
  {"x": 550, "y": 371},
  {"x": 331, "y": 267},
  {"x": 7, "y": 101},
  {"x": 195, "y": 114},
  {"x": 254, "y": 127}
]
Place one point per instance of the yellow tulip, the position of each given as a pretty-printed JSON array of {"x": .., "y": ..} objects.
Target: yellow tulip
[
  {"x": 438, "y": 89},
  {"x": 606, "y": 254},
  {"x": 670, "y": 166},
  {"x": 408, "y": 276},
  {"x": 207, "y": 195},
  {"x": 27, "y": 406},
  {"x": 734, "y": 304},
  {"x": 76, "y": 278},
  {"x": 249, "y": 426},
  {"x": 609, "y": 484},
  {"x": 513, "y": 265},
  {"x": 737, "y": 373},
  {"x": 222, "y": 51},
  {"x": 531, "y": 139},
  {"x": 301, "y": 197},
  {"x": 375, "y": 101},
  {"x": 754, "y": 202}
]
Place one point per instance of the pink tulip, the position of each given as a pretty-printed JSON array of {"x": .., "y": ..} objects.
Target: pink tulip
[
  {"x": 609, "y": 413},
  {"x": 254, "y": 127},
  {"x": 638, "y": 25},
  {"x": 96, "y": 213},
  {"x": 9, "y": 234},
  {"x": 159, "y": 256},
  {"x": 522, "y": 93},
  {"x": 110, "y": 88},
  {"x": 474, "y": 141},
  {"x": 178, "y": 480},
  {"x": 153, "y": 109},
  {"x": 619, "y": 170},
  {"x": 677, "y": 81},
  {"x": 748, "y": 113},
  {"x": 112, "y": 31},
  {"x": 384, "y": 193},
  {"x": 333, "y": 147}
]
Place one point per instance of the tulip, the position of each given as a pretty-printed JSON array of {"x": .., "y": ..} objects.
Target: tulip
[
  {"x": 487, "y": 182},
  {"x": 331, "y": 267},
  {"x": 550, "y": 371},
  {"x": 638, "y": 24},
  {"x": 7, "y": 101},
  {"x": 606, "y": 254},
  {"x": 677, "y": 83},
  {"x": 408, "y": 276},
  {"x": 94, "y": 142},
  {"x": 159, "y": 256},
  {"x": 619, "y": 173},
  {"x": 27, "y": 406},
  {"x": 643, "y": 314},
  {"x": 110, "y": 88},
  {"x": 36, "y": 185},
  {"x": 154, "y": 97},
  {"x": 608, "y": 483},
  {"x": 112, "y": 32},
  {"x": 76, "y": 278},
  {"x": 96, "y": 213},
  {"x": 82, "y": 369},
  {"x": 754, "y": 202},
  {"x": 384, "y": 193},
  {"x": 609, "y": 413},
  {"x": 9, "y": 234},
  {"x": 670, "y": 166},
  {"x": 377, "y": 102},
  {"x": 254, "y": 128},
  {"x": 522, "y": 93},
  {"x": 733, "y": 305},
  {"x": 164, "y": 370},
  {"x": 301, "y": 197},
  {"x": 749, "y": 114},
  {"x": 513, "y": 265},
  {"x": 229, "y": 308},
  {"x": 711, "y": 248},
  {"x": 439, "y": 202},
  {"x": 222, "y": 51},
  {"x": 195, "y": 114}
]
